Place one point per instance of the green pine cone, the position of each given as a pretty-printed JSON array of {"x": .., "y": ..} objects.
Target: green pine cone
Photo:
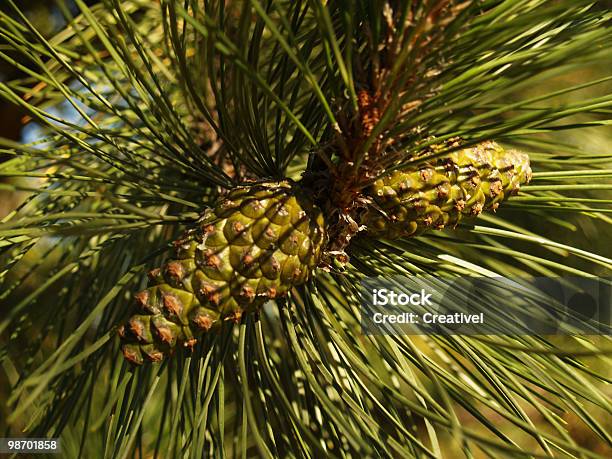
[
  {"x": 256, "y": 244},
  {"x": 439, "y": 194}
]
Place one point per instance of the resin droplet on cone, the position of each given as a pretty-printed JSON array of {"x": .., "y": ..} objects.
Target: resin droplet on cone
[
  {"x": 441, "y": 193},
  {"x": 256, "y": 244}
]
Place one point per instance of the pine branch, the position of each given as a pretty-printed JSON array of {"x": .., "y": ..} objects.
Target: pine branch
[{"x": 144, "y": 113}]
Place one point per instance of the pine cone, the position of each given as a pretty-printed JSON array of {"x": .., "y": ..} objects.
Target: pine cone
[
  {"x": 255, "y": 245},
  {"x": 439, "y": 194}
]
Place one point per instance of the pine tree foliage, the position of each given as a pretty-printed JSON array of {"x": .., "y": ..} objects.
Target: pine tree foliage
[{"x": 152, "y": 110}]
